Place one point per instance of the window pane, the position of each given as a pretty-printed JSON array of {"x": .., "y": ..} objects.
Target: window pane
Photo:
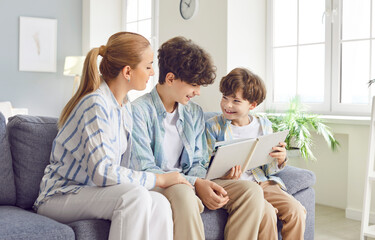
[
  {"x": 144, "y": 9},
  {"x": 132, "y": 27},
  {"x": 131, "y": 10},
  {"x": 311, "y": 27},
  {"x": 285, "y": 71},
  {"x": 356, "y": 19},
  {"x": 144, "y": 28},
  {"x": 355, "y": 72},
  {"x": 311, "y": 73},
  {"x": 285, "y": 22}
]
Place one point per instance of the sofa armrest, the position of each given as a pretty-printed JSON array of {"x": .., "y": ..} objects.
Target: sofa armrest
[{"x": 296, "y": 179}]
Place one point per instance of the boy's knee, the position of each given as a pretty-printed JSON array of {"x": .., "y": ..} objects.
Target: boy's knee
[
  {"x": 269, "y": 212},
  {"x": 297, "y": 213},
  {"x": 253, "y": 191}
]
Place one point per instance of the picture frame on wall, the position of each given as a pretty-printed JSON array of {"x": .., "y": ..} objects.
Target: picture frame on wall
[{"x": 37, "y": 44}]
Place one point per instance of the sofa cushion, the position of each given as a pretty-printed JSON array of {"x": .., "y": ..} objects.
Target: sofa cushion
[
  {"x": 30, "y": 140},
  {"x": 17, "y": 223},
  {"x": 7, "y": 187},
  {"x": 214, "y": 223},
  {"x": 296, "y": 179},
  {"x": 91, "y": 229}
]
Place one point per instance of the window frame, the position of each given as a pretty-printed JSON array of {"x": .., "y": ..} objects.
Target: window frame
[
  {"x": 338, "y": 107},
  {"x": 332, "y": 82},
  {"x": 154, "y": 41}
]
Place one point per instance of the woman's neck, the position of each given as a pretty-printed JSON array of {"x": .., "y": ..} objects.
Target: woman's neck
[{"x": 119, "y": 88}]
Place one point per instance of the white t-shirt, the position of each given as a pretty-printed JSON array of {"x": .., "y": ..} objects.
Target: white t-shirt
[
  {"x": 251, "y": 130},
  {"x": 172, "y": 143}
]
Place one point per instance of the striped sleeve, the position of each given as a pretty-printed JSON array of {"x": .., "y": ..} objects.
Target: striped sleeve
[
  {"x": 211, "y": 135},
  {"x": 100, "y": 152}
]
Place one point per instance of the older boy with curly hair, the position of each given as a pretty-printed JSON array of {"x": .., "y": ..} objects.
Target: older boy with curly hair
[
  {"x": 243, "y": 91},
  {"x": 169, "y": 135}
]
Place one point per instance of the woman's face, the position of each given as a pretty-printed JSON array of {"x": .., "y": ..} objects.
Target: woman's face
[{"x": 141, "y": 74}]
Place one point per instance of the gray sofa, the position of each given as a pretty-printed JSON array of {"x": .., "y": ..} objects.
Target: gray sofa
[{"x": 25, "y": 145}]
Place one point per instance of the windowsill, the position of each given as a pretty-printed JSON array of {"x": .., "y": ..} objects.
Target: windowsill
[
  {"x": 336, "y": 119},
  {"x": 351, "y": 120}
]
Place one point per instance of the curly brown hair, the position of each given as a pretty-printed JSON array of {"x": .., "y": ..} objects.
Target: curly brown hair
[
  {"x": 187, "y": 61},
  {"x": 252, "y": 86}
]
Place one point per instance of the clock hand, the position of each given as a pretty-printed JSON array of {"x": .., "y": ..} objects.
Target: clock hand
[{"x": 187, "y": 4}]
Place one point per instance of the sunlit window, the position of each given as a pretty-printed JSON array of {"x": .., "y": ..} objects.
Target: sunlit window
[
  {"x": 322, "y": 50},
  {"x": 140, "y": 17}
]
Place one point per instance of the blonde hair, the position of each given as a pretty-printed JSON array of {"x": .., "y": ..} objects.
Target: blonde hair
[{"x": 122, "y": 49}]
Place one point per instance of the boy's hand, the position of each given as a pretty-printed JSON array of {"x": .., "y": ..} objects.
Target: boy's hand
[
  {"x": 212, "y": 195},
  {"x": 234, "y": 173},
  {"x": 279, "y": 152}
]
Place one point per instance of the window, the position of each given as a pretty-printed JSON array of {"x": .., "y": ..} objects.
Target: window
[
  {"x": 140, "y": 17},
  {"x": 321, "y": 50}
]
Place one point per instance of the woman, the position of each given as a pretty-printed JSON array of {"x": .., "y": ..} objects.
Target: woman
[{"x": 87, "y": 176}]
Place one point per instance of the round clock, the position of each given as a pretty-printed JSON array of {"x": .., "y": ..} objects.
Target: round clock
[{"x": 188, "y": 8}]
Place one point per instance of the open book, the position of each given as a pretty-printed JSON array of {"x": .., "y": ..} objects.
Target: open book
[{"x": 248, "y": 153}]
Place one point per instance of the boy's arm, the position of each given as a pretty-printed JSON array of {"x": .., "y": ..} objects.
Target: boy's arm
[
  {"x": 211, "y": 139},
  {"x": 273, "y": 167},
  {"x": 200, "y": 160},
  {"x": 142, "y": 157}
]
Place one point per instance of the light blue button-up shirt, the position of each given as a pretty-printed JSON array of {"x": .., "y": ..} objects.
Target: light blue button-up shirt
[{"x": 148, "y": 133}]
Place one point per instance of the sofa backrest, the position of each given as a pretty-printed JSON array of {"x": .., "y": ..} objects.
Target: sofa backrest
[
  {"x": 7, "y": 187},
  {"x": 30, "y": 140}
]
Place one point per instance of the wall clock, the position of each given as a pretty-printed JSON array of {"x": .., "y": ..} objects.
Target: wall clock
[{"x": 188, "y": 8}]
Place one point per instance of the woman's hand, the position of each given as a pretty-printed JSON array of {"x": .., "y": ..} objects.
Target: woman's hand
[
  {"x": 279, "y": 152},
  {"x": 168, "y": 179},
  {"x": 234, "y": 173}
]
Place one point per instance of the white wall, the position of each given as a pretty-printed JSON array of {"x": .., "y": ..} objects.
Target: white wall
[
  {"x": 208, "y": 29},
  {"x": 42, "y": 93},
  {"x": 246, "y": 36},
  {"x": 331, "y": 170},
  {"x": 99, "y": 21},
  {"x": 217, "y": 28}
]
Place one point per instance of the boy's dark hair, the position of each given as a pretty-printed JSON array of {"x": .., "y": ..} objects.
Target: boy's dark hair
[
  {"x": 187, "y": 61},
  {"x": 252, "y": 85}
]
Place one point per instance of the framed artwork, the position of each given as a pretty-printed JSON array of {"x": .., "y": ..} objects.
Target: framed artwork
[{"x": 38, "y": 40}]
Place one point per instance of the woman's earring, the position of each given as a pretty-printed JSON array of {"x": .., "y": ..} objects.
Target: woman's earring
[{"x": 128, "y": 79}]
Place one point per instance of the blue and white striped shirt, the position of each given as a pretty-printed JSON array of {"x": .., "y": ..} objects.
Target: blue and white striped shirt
[{"x": 92, "y": 148}]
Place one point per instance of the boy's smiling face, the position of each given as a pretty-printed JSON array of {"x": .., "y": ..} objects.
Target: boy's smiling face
[
  {"x": 185, "y": 91},
  {"x": 236, "y": 108}
]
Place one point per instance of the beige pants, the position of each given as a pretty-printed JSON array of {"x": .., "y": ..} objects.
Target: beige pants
[
  {"x": 288, "y": 209},
  {"x": 245, "y": 209}
]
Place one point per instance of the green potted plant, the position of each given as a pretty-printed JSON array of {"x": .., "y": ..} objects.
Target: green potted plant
[{"x": 300, "y": 124}]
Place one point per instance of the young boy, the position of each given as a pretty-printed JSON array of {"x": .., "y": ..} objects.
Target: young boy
[
  {"x": 243, "y": 91},
  {"x": 169, "y": 135}
]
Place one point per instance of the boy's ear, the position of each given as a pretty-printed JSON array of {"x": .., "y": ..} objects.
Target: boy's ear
[
  {"x": 169, "y": 78},
  {"x": 253, "y": 105}
]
